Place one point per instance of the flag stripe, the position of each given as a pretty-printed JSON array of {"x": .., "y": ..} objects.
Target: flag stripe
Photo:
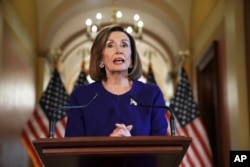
[
  {"x": 189, "y": 123},
  {"x": 57, "y": 132},
  {"x": 43, "y": 129},
  {"x": 187, "y": 160},
  {"x": 43, "y": 122},
  {"x": 190, "y": 152},
  {"x": 30, "y": 149},
  {"x": 33, "y": 123},
  {"x": 28, "y": 134},
  {"x": 168, "y": 118},
  {"x": 61, "y": 125},
  {"x": 37, "y": 126},
  {"x": 204, "y": 139},
  {"x": 195, "y": 144},
  {"x": 33, "y": 130},
  {"x": 200, "y": 142},
  {"x": 199, "y": 145},
  {"x": 64, "y": 122}
]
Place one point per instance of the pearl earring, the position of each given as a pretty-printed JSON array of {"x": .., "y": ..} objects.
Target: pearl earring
[{"x": 101, "y": 65}]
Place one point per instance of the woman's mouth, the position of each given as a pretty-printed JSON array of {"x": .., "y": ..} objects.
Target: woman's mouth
[{"x": 118, "y": 60}]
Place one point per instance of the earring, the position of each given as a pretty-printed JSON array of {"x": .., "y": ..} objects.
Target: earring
[
  {"x": 101, "y": 65},
  {"x": 131, "y": 66}
]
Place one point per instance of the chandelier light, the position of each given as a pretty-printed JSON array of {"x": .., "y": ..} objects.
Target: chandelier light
[{"x": 135, "y": 29}]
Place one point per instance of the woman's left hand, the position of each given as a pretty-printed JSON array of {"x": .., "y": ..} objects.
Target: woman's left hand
[{"x": 121, "y": 130}]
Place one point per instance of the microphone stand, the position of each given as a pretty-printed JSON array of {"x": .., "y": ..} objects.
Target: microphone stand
[
  {"x": 172, "y": 119},
  {"x": 53, "y": 118}
]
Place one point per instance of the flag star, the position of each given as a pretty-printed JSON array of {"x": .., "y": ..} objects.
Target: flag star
[
  {"x": 54, "y": 97},
  {"x": 183, "y": 102}
]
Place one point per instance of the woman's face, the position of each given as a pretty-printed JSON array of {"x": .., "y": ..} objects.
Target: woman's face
[{"x": 116, "y": 54}]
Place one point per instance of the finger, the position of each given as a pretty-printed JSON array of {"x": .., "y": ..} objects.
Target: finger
[
  {"x": 114, "y": 135},
  {"x": 119, "y": 132},
  {"x": 129, "y": 127},
  {"x": 120, "y": 126}
]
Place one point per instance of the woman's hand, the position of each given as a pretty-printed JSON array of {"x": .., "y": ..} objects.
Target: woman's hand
[{"x": 121, "y": 130}]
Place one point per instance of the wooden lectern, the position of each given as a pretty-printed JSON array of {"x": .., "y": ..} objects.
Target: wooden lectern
[{"x": 166, "y": 151}]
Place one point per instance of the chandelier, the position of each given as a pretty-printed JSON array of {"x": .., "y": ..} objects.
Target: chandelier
[{"x": 134, "y": 29}]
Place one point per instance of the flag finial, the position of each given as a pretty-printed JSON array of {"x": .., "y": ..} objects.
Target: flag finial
[{"x": 55, "y": 55}]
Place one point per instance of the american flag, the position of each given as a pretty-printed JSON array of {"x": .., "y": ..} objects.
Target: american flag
[
  {"x": 37, "y": 126},
  {"x": 82, "y": 79},
  {"x": 189, "y": 123}
]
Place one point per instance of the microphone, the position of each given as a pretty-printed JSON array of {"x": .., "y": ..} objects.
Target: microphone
[
  {"x": 53, "y": 120},
  {"x": 134, "y": 102}
]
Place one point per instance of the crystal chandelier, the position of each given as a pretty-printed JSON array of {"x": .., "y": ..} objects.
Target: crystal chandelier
[{"x": 134, "y": 29}]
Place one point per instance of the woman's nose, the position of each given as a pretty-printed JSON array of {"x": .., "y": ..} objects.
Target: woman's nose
[
  {"x": 119, "y": 52},
  {"x": 118, "y": 49}
]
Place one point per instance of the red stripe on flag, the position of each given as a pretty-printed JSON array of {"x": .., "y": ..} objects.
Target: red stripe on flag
[
  {"x": 30, "y": 149},
  {"x": 197, "y": 153},
  {"x": 38, "y": 126},
  {"x": 41, "y": 124},
  {"x": 168, "y": 118},
  {"x": 58, "y": 134},
  {"x": 201, "y": 140},
  {"x": 188, "y": 155},
  {"x": 189, "y": 160},
  {"x": 183, "y": 103},
  {"x": 179, "y": 132},
  {"x": 193, "y": 155},
  {"x": 64, "y": 122},
  {"x": 60, "y": 128},
  {"x": 32, "y": 130},
  {"x": 205, "y": 147}
]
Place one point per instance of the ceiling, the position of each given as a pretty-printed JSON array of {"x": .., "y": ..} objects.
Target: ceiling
[
  {"x": 62, "y": 24},
  {"x": 167, "y": 19}
]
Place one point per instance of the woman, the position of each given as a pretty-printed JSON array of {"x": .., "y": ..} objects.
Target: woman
[
  {"x": 115, "y": 111},
  {"x": 115, "y": 66}
]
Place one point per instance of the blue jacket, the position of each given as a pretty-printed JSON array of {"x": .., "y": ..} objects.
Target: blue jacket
[{"x": 107, "y": 109}]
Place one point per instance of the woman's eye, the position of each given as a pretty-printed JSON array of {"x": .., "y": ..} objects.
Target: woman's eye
[
  {"x": 110, "y": 45},
  {"x": 124, "y": 45}
]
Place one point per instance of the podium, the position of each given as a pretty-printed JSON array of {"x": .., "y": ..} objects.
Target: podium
[{"x": 165, "y": 151}]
